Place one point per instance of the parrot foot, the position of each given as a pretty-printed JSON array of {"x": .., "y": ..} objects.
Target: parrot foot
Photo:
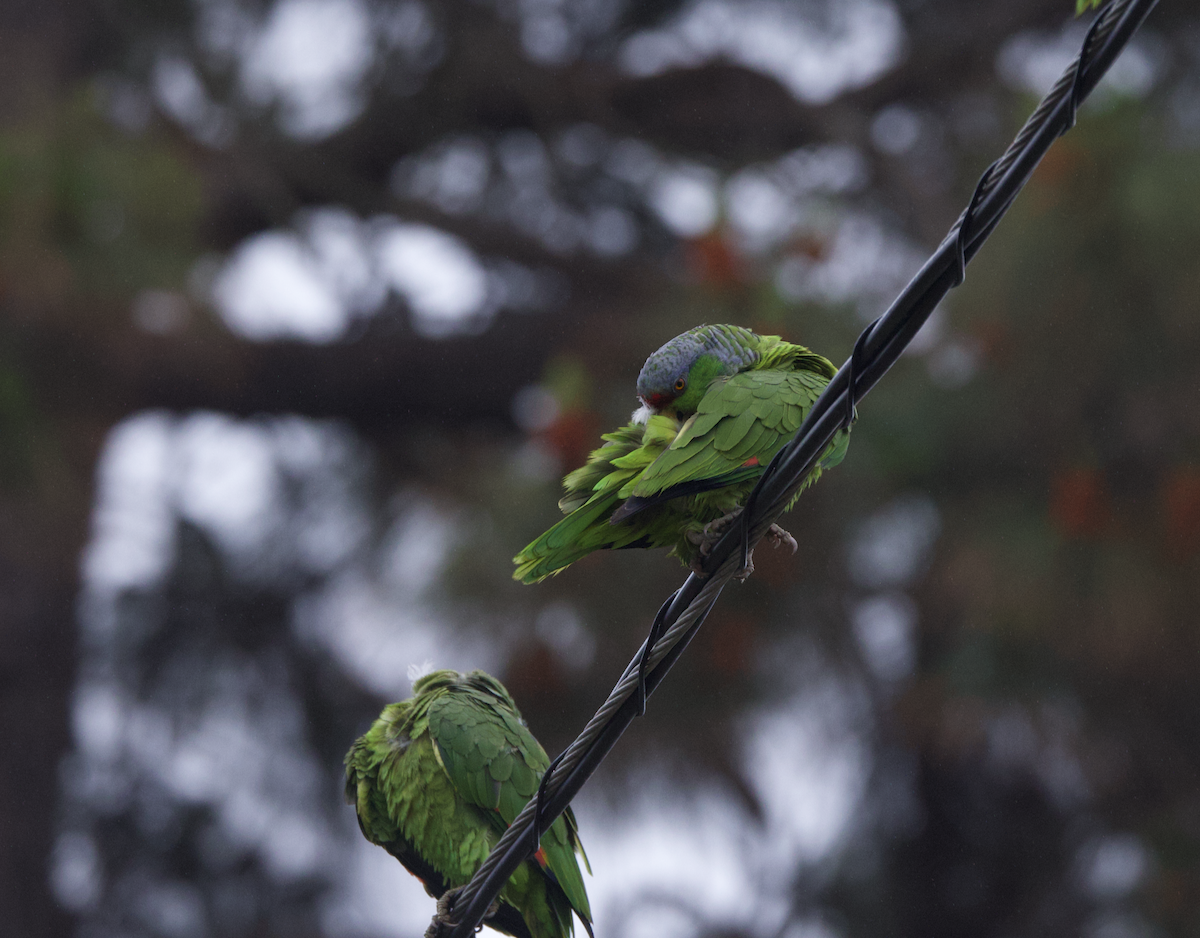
[
  {"x": 778, "y": 537},
  {"x": 713, "y": 531},
  {"x": 715, "y": 528},
  {"x": 707, "y": 538},
  {"x": 444, "y": 921}
]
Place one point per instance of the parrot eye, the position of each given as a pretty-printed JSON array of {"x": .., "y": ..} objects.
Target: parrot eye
[{"x": 680, "y": 384}]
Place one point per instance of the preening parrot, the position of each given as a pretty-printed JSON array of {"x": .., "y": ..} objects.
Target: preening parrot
[
  {"x": 439, "y": 777},
  {"x": 718, "y": 402}
]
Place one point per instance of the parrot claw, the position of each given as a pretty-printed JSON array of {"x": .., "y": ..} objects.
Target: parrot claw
[
  {"x": 444, "y": 922},
  {"x": 778, "y": 537},
  {"x": 712, "y": 532},
  {"x": 707, "y": 538}
]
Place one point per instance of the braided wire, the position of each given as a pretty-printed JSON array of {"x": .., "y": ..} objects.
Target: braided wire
[
  {"x": 1101, "y": 28},
  {"x": 875, "y": 351}
]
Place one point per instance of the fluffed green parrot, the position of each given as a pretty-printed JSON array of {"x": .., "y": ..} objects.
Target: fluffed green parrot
[
  {"x": 1082, "y": 5},
  {"x": 440, "y": 776},
  {"x": 718, "y": 402}
]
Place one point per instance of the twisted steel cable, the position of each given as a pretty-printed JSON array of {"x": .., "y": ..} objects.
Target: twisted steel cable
[{"x": 875, "y": 351}]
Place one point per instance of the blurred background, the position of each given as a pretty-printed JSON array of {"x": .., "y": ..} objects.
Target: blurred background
[{"x": 306, "y": 306}]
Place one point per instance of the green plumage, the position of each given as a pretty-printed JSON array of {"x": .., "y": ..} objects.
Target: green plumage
[
  {"x": 719, "y": 402},
  {"x": 440, "y": 776}
]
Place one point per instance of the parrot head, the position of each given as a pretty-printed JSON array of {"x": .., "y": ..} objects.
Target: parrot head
[
  {"x": 677, "y": 376},
  {"x": 434, "y": 681}
]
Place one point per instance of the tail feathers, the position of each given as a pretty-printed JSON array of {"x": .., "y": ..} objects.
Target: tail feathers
[
  {"x": 584, "y": 530},
  {"x": 509, "y": 921},
  {"x": 564, "y": 913}
]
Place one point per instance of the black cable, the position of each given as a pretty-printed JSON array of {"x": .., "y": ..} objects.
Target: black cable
[
  {"x": 750, "y": 509},
  {"x": 964, "y": 224},
  {"x": 877, "y": 349},
  {"x": 539, "y": 815},
  {"x": 656, "y": 630},
  {"x": 854, "y": 368},
  {"x": 1077, "y": 79}
]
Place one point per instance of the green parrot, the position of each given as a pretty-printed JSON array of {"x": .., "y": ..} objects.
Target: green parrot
[
  {"x": 439, "y": 777},
  {"x": 718, "y": 402},
  {"x": 1082, "y": 5}
]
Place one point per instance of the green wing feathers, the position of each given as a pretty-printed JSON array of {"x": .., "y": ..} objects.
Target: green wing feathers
[
  {"x": 580, "y": 485},
  {"x": 496, "y": 763},
  {"x": 741, "y": 419},
  {"x": 592, "y": 495}
]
